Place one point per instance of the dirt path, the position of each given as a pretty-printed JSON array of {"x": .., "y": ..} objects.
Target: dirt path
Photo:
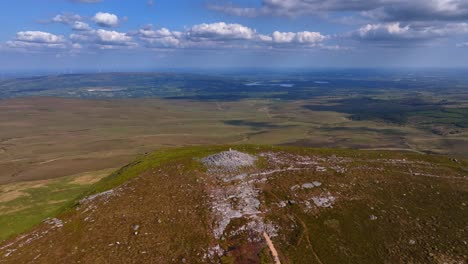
[{"x": 272, "y": 248}]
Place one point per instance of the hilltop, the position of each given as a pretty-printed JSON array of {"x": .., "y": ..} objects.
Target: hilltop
[{"x": 224, "y": 203}]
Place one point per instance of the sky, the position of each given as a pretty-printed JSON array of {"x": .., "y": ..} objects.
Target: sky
[{"x": 72, "y": 35}]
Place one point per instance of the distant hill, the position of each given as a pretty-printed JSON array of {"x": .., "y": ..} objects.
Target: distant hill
[{"x": 222, "y": 204}]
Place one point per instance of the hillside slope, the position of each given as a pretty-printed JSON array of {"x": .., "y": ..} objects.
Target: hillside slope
[{"x": 213, "y": 204}]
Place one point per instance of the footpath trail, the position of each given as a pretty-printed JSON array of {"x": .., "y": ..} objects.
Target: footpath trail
[{"x": 274, "y": 253}]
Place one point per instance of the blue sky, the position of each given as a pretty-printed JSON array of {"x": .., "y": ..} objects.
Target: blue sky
[{"x": 158, "y": 34}]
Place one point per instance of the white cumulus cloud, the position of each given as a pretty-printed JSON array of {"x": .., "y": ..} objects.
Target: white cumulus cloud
[
  {"x": 161, "y": 37},
  {"x": 106, "y": 19},
  {"x": 37, "y": 40},
  {"x": 103, "y": 39},
  {"x": 223, "y": 35},
  {"x": 66, "y": 18},
  {"x": 39, "y": 37},
  {"x": 221, "y": 31},
  {"x": 219, "y": 35},
  {"x": 398, "y": 31},
  {"x": 115, "y": 37},
  {"x": 305, "y": 37},
  {"x": 80, "y": 26}
]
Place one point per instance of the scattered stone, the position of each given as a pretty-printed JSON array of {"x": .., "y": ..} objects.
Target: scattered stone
[
  {"x": 236, "y": 201},
  {"x": 339, "y": 169},
  {"x": 94, "y": 196},
  {"x": 295, "y": 187},
  {"x": 9, "y": 252},
  {"x": 373, "y": 217},
  {"x": 234, "y": 194},
  {"x": 282, "y": 204},
  {"x": 324, "y": 201},
  {"x": 311, "y": 185},
  {"x": 320, "y": 169},
  {"x": 54, "y": 222},
  {"x": 234, "y": 197},
  {"x": 213, "y": 251}
]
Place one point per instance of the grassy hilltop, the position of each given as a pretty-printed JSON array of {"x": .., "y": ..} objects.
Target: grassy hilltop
[{"x": 317, "y": 205}]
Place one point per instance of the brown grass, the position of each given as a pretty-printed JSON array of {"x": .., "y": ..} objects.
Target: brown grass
[
  {"x": 43, "y": 138},
  {"x": 91, "y": 177},
  {"x": 168, "y": 203}
]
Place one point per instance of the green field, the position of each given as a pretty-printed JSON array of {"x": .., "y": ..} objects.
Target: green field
[{"x": 26, "y": 204}]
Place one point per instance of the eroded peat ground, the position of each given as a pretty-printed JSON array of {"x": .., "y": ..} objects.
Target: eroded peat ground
[{"x": 214, "y": 204}]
